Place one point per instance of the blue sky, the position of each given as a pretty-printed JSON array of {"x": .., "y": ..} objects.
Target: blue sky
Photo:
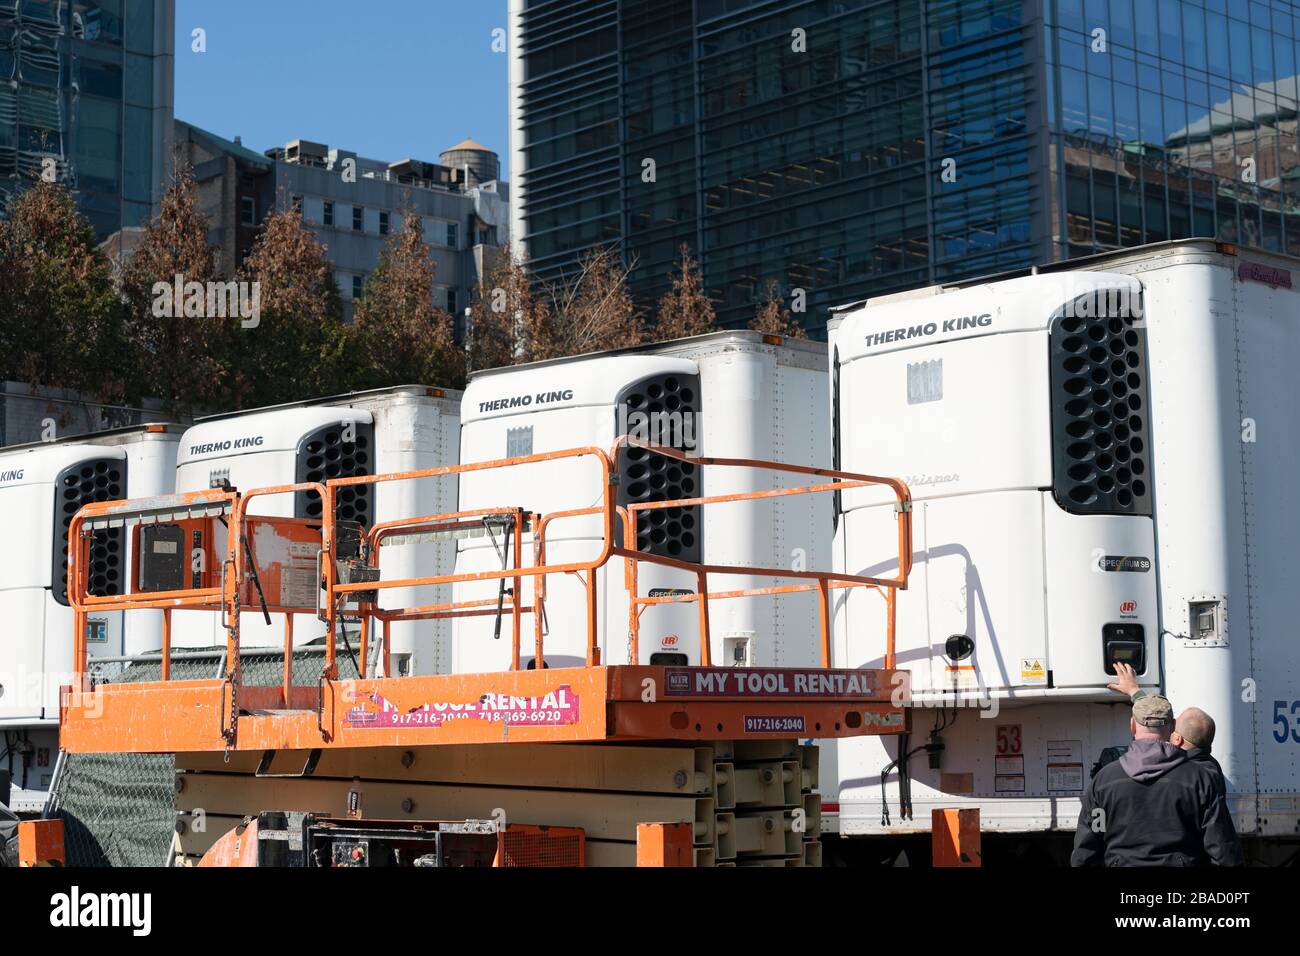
[{"x": 389, "y": 79}]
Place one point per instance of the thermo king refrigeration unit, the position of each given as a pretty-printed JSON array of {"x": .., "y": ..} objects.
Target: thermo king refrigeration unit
[{"x": 725, "y": 394}]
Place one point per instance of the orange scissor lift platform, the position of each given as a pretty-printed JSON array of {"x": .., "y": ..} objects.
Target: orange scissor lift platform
[
  {"x": 579, "y": 704},
  {"x": 760, "y": 713}
]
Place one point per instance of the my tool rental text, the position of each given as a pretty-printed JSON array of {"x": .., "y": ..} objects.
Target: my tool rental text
[{"x": 752, "y": 682}]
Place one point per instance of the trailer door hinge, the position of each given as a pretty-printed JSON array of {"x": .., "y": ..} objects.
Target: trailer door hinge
[{"x": 902, "y": 506}]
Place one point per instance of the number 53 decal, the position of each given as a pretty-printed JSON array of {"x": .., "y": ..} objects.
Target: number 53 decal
[
  {"x": 1288, "y": 728},
  {"x": 1008, "y": 739}
]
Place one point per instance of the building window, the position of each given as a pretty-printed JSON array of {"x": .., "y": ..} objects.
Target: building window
[
  {"x": 453, "y": 235},
  {"x": 358, "y": 219},
  {"x": 248, "y": 210},
  {"x": 328, "y": 215},
  {"x": 383, "y": 222},
  {"x": 295, "y": 203},
  {"x": 358, "y": 285},
  {"x": 487, "y": 236},
  {"x": 451, "y": 301}
]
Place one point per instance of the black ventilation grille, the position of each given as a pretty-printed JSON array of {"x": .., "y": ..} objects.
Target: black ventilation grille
[
  {"x": 325, "y": 454},
  {"x": 664, "y": 409},
  {"x": 99, "y": 479},
  {"x": 1101, "y": 447}
]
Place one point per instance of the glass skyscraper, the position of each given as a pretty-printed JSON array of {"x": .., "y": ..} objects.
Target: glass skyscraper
[
  {"x": 858, "y": 147},
  {"x": 1186, "y": 126},
  {"x": 89, "y": 86}
]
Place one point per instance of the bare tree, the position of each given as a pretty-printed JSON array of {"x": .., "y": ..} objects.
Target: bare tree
[
  {"x": 588, "y": 310},
  {"x": 686, "y": 308},
  {"x": 772, "y": 318},
  {"x": 501, "y": 312}
]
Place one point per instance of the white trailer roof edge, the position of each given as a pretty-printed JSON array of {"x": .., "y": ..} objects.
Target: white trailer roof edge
[
  {"x": 344, "y": 398},
  {"x": 1098, "y": 262},
  {"x": 108, "y": 436},
  {"x": 689, "y": 347}
]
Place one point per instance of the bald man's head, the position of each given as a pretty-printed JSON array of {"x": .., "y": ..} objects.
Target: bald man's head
[{"x": 1196, "y": 728}]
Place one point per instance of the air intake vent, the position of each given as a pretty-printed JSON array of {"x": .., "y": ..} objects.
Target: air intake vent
[
  {"x": 1101, "y": 446},
  {"x": 99, "y": 479},
  {"x": 665, "y": 411},
  {"x": 328, "y": 453}
]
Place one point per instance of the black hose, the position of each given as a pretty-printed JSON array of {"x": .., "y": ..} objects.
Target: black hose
[
  {"x": 347, "y": 646},
  {"x": 501, "y": 588},
  {"x": 904, "y": 782},
  {"x": 257, "y": 581}
]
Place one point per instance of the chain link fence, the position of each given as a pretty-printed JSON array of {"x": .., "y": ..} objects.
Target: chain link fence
[{"x": 119, "y": 809}]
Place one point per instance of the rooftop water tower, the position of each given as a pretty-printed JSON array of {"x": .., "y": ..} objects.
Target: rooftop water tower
[{"x": 482, "y": 163}]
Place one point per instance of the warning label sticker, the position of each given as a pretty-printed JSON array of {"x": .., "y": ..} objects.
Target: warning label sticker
[
  {"x": 1064, "y": 778},
  {"x": 1013, "y": 765},
  {"x": 1064, "y": 766},
  {"x": 1033, "y": 670},
  {"x": 298, "y": 583},
  {"x": 1065, "y": 751}
]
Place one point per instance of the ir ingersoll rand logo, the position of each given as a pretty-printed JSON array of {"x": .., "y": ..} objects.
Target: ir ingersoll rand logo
[{"x": 1128, "y": 609}]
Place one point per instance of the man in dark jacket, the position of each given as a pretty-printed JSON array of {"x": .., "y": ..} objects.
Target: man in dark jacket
[
  {"x": 1194, "y": 732},
  {"x": 1153, "y": 806}
]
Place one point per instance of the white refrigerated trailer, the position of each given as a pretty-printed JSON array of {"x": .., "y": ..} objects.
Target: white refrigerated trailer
[
  {"x": 722, "y": 395},
  {"x": 1103, "y": 456},
  {"x": 42, "y": 485},
  {"x": 396, "y": 429}
]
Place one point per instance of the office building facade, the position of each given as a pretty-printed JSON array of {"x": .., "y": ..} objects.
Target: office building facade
[
  {"x": 86, "y": 93},
  {"x": 353, "y": 204},
  {"x": 850, "y": 148}
]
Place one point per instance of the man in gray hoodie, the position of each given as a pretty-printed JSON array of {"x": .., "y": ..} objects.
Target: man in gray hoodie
[{"x": 1153, "y": 806}]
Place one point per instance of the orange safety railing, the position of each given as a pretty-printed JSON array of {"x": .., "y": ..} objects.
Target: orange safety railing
[
  {"x": 226, "y": 599},
  {"x": 519, "y": 518},
  {"x": 192, "y": 506},
  {"x": 822, "y": 581},
  {"x": 227, "y": 594},
  {"x": 443, "y": 523}
]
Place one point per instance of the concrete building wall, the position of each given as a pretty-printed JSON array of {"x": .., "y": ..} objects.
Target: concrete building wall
[
  {"x": 454, "y": 223},
  {"x": 328, "y": 185},
  {"x": 29, "y": 414},
  {"x": 228, "y": 176}
]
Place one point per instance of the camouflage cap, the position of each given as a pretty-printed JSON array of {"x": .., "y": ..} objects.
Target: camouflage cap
[{"x": 1153, "y": 711}]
